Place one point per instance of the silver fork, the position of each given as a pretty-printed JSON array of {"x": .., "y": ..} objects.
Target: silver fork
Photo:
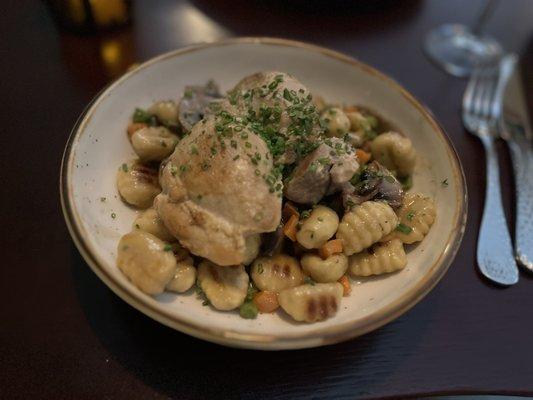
[{"x": 480, "y": 116}]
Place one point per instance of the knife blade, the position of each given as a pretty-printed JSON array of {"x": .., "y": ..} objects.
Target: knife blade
[{"x": 515, "y": 129}]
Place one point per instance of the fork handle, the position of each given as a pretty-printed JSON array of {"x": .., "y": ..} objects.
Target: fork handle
[
  {"x": 522, "y": 157},
  {"x": 494, "y": 249}
]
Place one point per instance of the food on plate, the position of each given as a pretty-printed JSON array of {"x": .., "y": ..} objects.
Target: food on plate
[
  {"x": 311, "y": 303},
  {"x": 138, "y": 184},
  {"x": 378, "y": 259},
  {"x": 149, "y": 221},
  {"x": 325, "y": 270},
  {"x": 266, "y": 198},
  {"x": 224, "y": 287},
  {"x": 276, "y": 273},
  {"x": 416, "y": 216},
  {"x": 365, "y": 224},
  {"x": 153, "y": 143},
  {"x": 146, "y": 260}
]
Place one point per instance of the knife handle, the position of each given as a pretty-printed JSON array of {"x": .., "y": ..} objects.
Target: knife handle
[{"x": 522, "y": 158}]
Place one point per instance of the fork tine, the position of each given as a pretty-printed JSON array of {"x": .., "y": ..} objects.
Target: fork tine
[
  {"x": 486, "y": 97},
  {"x": 480, "y": 94},
  {"x": 471, "y": 92},
  {"x": 490, "y": 95}
]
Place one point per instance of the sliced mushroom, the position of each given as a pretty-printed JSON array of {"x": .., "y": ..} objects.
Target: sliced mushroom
[
  {"x": 194, "y": 103},
  {"x": 375, "y": 183}
]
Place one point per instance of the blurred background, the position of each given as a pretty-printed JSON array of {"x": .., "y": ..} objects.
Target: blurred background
[{"x": 99, "y": 39}]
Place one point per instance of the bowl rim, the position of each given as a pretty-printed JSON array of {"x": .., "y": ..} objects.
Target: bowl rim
[{"x": 234, "y": 338}]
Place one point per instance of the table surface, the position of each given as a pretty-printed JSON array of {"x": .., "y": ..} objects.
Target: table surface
[{"x": 63, "y": 334}]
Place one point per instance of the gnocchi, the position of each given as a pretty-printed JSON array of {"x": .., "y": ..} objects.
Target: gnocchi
[
  {"x": 336, "y": 122},
  {"x": 165, "y": 111},
  {"x": 366, "y": 224},
  {"x": 329, "y": 270},
  {"x": 224, "y": 287},
  {"x": 311, "y": 303},
  {"x": 147, "y": 261},
  {"x": 276, "y": 273},
  {"x": 359, "y": 122},
  {"x": 380, "y": 259},
  {"x": 138, "y": 184},
  {"x": 318, "y": 228},
  {"x": 149, "y": 221},
  {"x": 395, "y": 152},
  {"x": 153, "y": 143},
  {"x": 416, "y": 215},
  {"x": 184, "y": 276}
]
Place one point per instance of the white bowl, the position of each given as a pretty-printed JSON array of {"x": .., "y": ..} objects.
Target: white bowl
[{"x": 98, "y": 145}]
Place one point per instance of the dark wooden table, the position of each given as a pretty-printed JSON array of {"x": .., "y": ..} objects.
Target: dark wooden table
[{"x": 63, "y": 334}]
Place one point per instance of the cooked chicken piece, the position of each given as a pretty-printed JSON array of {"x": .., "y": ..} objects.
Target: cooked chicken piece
[
  {"x": 219, "y": 188},
  {"x": 283, "y": 107},
  {"x": 194, "y": 103},
  {"x": 322, "y": 172},
  {"x": 344, "y": 166}
]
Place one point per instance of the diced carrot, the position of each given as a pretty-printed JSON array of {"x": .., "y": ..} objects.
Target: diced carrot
[
  {"x": 346, "y": 286},
  {"x": 290, "y": 228},
  {"x": 134, "y": 127},
  {"x": 266, "y": 302},
  {"x": 362, "y": 156},
  {"x": 289, "y": 210},
  {"x": 351, "y": 109},
  {"x": 330, "y": 247}
]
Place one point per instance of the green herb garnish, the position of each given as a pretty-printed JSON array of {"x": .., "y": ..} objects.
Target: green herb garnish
[
  {"x": 305, "y": 214},
  {"x": 139, "y": 115},
  {"x": 309, "y": 281},
  {"x": 404, "y": 228}
]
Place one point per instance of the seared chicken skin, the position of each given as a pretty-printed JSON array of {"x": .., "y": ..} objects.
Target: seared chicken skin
[
  {"x": 218, "y": 190},
  {"x": 281, "y": 111}
]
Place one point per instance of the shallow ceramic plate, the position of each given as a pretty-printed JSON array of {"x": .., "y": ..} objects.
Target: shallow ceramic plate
[{"x": 98, "y": 145}]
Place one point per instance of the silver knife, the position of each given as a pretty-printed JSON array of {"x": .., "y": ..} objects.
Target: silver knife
[{"x": 516, "y": 130}]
